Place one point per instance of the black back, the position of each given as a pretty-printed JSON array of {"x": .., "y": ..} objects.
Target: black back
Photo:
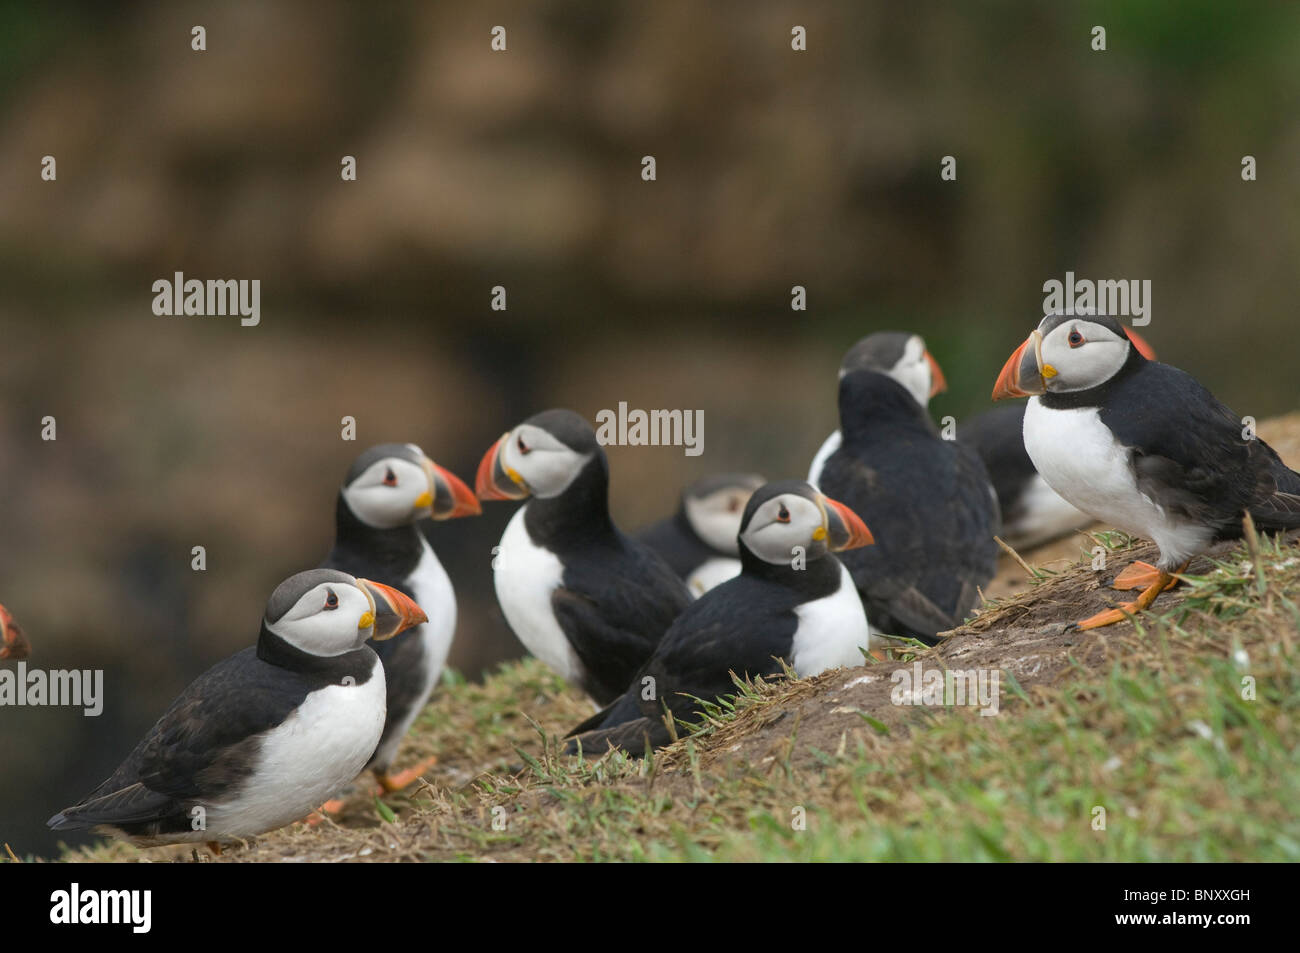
[{"x": 927, "y": 501}]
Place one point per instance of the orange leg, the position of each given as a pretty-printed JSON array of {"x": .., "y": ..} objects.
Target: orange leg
[
  {"x": 333, "y": 806},
  {"x": 1139, "y": 575},
  {"x": 396, "y": 782},
  {"x": 1159, "y": 584},
  {"x": 215, "y": 847}
]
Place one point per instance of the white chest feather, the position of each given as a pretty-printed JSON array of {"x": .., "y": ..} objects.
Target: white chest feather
[
  {"x": 1081, "y": 460},
  {"x": 322, "y": 746},
  {"x": 525, "y": 575},
  {"x": 712, "y": 572},
  {"x": 432, "y": 590},
  {"x": 828, "y": 447},
  {"x": 832, "y": 631}
]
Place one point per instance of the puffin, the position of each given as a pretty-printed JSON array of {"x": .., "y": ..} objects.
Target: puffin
[
  {"x": 1032, "y": 512},
  {"x": 928, "y": 500},
  {"x": 1142, "y": 446},
  {"x": 793, "y": 602},
  {"x": 388, "y": 490},
  {"x": 699, "y": 540},
  {"x": 13, "y": 641},
  {"x": 901, "y": 355},
  {"x": 589, "y": 601},
  {"x": 262, "y": 738}
]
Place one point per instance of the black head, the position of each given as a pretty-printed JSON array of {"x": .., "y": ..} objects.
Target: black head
[
  {"x": 902, "y": 356},
  {"x": 789, "y": 518},
  {"x": 542, "y": 457}
]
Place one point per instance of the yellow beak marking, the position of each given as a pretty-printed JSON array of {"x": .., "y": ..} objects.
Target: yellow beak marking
[
  {"x": 367, "y": 620},
  {"x": 819, "y": 533},
  {"x": 1049, "y": 371}
]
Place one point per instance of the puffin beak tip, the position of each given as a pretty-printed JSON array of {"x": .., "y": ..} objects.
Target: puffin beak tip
[
  {"x": 845, "y": 529},
  {"x": 451, "y": 498},
  {"x": 395, "y": 612},
  {"x": 491, "y": 482}
]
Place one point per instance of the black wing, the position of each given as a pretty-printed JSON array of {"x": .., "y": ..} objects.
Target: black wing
[
  {"x": 1190, "y": 453},
  {"x": 741, "y": 626},
  {"x": 201, "y": 748},
  {"x": 931, "y": 509},
  {"x": 614, "y": 606}
]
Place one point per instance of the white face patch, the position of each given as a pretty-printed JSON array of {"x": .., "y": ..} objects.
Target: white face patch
[
  {"x": 913, "y": 371},
  {"x": 1083, "y": 353},
  {"x": 326, "y": 620},
  {"x": 716, "y": 517},
  {"x": 546, "y": 465},
  {"x": 386, "y": 494},
  {"x": 781, "y": 524}
]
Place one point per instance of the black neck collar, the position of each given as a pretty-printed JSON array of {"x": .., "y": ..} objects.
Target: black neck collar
[
  {"x": 578, "y": 515},
  {"x": 274, "y": 650},
  {"x": 1095, "y": 396},
  {"x": 819, "y": 577},
  {"x": 397, "y": 548}
]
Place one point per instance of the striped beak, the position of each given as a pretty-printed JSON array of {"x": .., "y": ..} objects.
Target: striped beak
[
  {"x": 494, "y": 481},
  {"x": 1024, "y": 373},
  {"x": 449, "y": 497},
  {"x": 13, "y": 643},
  {"x": 844, "y": 528},
  {"x": 938, "y": 384},
  {"x": 394, "y": 611}
]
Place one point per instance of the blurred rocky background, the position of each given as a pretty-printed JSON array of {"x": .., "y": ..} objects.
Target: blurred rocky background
[{"x": 476, "y": 168}]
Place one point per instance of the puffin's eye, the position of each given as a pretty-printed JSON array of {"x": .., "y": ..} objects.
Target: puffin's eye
[
  {"x": 390, "y": 478},
  {"x": 523, "y": 447},
  {"x": 1075, "y": 339},
  {"x": 783, "y": 515},
  {"x": 331, "y": 600}
]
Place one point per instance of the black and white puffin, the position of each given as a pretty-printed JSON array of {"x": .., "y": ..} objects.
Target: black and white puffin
[
  {"x": 388, "y": 490},
  {"x": 584, "y": 598},
  {"x": 262, "y": 738},
  {"x": 1032, "y": 512},
  {"x": 13, "y": 641},
  {"x": 699, "y": 540},
  {"x": 928, "y": 501},
  {"x": 1142, "y": 446},
  {"x": 792, "y": 601},
  {"x": 902, "y": 356}
]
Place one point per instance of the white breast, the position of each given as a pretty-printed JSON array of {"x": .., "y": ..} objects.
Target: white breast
[
  {"x": 1081, "y": 460},
  {"x": 829, "y": 446},
  {"x": 321, "y": 746},
  {"x": 712, "y": 572},
  {"x": 431, "y": 588},
  {"x": 832, "y": 631},
  {"x": 525, "y": 575}
]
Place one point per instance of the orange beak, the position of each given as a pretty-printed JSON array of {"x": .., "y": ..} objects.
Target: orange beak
[
  {"x": 1139, "y": 342},
  {"x": 394, "y": 611},
  {"x": 937, "y": 382},
  {"x": 844, "y": 528},
  {"x": 1022, "y": 374},
  {"x": 493, "y": 481},
  {"x": 452, "y": 499},
  {"x": 13, "y": 644}
]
